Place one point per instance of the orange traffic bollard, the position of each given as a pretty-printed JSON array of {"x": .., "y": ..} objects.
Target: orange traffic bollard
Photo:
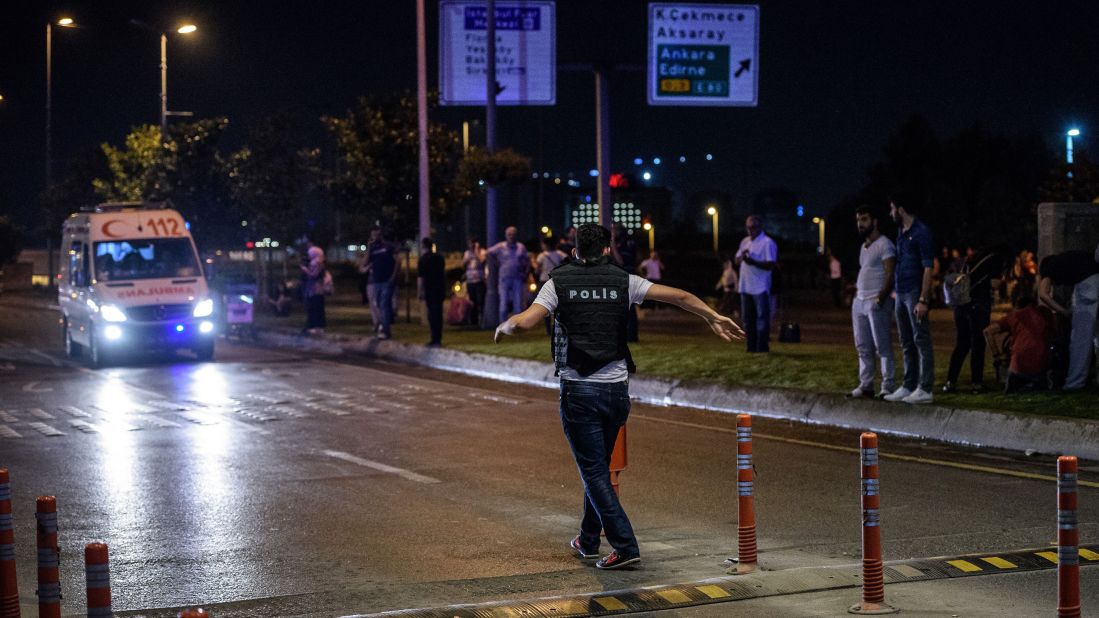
[
  {"x": 1068, "y": 540},
  {"x": 618, "y": 458},
  {"x": 9, "y": 584},
  {"x": 97, "y": 571},
  {"x": 745, "y": 489},
  {"x": 49, "y": 558},
  {"x": 873, "y": 573},
  {"x": 197, "y": 612}
]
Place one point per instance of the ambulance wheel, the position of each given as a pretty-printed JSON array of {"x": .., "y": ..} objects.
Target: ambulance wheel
[
  {"x": 72, "y": 348},
  {"x": 96, "y": 357},
  {"x": 204, "y": 351}
]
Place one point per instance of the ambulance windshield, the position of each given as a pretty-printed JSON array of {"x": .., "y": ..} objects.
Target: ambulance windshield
[{"x": 152, "y": 258}]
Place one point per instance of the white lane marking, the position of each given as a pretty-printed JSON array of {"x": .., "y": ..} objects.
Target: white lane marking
[
  {"x": 381, "y": 467},
  {"x": 8, "y": 417},
  {"x": 53, "y": 361},
  {"x": 32, "y": 387},
  {"x": 45, "y": 429},
  {"x": 157, "y": 422},
  {"x": 8, "y": 432},
  {"x": 83, "y": 426},
  {"x": 74, "y": 411},
  {"x": 40, "y": 414}
]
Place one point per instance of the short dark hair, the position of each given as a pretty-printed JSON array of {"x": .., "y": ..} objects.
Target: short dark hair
[
  {"x": 591, "y": 239},
  {"x": 866, "y": 209},
  {"x": 427, "y": 243},
  {"x": 906, "y": 199}
]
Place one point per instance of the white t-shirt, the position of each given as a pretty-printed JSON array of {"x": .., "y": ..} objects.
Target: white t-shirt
[
  {"x": 614, "y": 371},
  {"x": 651, "y": 269},
  {"x": 547, "y": 261},
  {"x": 872, "y": 267},
  {"x": 755, "y": 280}
]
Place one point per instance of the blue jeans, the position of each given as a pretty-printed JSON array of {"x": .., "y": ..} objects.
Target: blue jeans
[
  {"x": 381, "y": 306},
  {"x": 592, "y": 413},
  {"x": 756, "y": 313},
  {"x": 919, "y": 358},
  {"x": 511, "y": 292}
]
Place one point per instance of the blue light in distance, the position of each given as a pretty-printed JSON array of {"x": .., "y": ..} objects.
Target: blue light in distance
[
  {"x": 647, "y": 176},
  {"x": 709, "y": 157},
  {"x": 638, "y": 161},
  {"x": 656, "y": 160},
  {"x": 593, "y": 173},
  {"x": 801, "y": 210}
]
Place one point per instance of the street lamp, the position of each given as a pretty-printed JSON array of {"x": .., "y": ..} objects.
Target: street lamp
[
  {"x": 712, "y": 211},
  {"x": 820, "y": 222},
  {"x": 546, "y": 231},
  {"x": 164, "y": 113},
  {"x": 64, "y": 22},
  {"x": 648, "y": 227},
  {"x": 1071, "y": 133}
]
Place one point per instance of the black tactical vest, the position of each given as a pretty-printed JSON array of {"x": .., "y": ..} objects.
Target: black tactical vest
[{"x": 593, "y": 303}]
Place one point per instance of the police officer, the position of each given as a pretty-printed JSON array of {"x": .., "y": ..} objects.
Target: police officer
[{"x": 591, "y": 299}]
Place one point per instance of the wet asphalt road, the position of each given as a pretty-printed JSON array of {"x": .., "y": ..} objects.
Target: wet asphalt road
[{"x": 273, "y": 483}]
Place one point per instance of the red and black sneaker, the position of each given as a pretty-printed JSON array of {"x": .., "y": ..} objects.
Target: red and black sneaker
[
  {"x": 614, "y": 561},
  {"x": 580, "y": 553}
]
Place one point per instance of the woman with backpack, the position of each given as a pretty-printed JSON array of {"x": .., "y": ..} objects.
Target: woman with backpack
[{"x": 969, "y": 292}]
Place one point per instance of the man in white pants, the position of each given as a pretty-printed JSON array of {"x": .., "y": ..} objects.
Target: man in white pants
[
  {"x": 872, "y": 308},
  {"x": 1080, "y": 269}
]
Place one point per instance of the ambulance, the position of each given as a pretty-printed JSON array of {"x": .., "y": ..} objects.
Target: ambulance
[{"x": 130, "y": 281}]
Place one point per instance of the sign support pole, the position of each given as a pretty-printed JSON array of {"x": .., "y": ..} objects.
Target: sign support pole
[
  {"x": 492, "y": 233},
  {"x": 421, "y": 105},
  {"x": 603, "y": 148}
]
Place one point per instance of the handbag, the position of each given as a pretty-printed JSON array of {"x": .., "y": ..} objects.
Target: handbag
[{"x": 957, "y": 286}]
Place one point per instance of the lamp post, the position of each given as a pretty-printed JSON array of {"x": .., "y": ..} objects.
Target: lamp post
[
  {"x": 712, "y": 211},
  {"x": 64, "y": 22},
  {"x": 164, "y": 113},
  {"x": 1071, "y": 133},
  {"x": 820, "y": 222},
  {"x": 648, "y": 227}
]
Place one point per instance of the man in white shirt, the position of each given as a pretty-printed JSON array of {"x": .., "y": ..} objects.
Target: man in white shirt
[
  {"x": 591, "y": 299},
  {"x": 756, "y": 258},
  {"x": 514, "y": 266},
  {"x": 872, "y": 308}
]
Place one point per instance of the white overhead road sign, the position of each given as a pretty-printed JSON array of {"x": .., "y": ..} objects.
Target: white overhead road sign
[
  {"x": 703, "y": 54},
  {"x": 526, "y": 52}
]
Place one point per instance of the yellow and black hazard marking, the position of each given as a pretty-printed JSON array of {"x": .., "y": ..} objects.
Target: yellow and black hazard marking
[{"x": 757, "y": 585}]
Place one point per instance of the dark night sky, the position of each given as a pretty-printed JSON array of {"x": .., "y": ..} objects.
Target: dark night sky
[{"x": 836, "y": 80}]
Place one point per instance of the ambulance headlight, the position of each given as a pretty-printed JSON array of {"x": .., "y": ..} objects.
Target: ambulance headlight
[
  {"x": 112, "y": 333},
  {"x": 111, "y": 313},
  {"x": 204, "y": 308},
  {"x": 206, "y": 327}
]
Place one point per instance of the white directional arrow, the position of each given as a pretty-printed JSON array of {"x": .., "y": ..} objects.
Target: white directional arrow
[{"x": 32, "y": 387}]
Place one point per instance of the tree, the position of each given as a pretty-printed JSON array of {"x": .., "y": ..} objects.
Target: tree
[
  {"x": 270, "y": 177},
  {"x": 187, "y": 169},
  {"x": 1081, "y": 186},
  {"x": 10, "y": 241},
  {"x": 375, "y": 168}
]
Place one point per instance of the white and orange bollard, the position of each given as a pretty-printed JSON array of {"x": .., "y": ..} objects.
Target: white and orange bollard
[
  {"x": 873, "y": 572},
  {"x": 619, "y": 460},
  {"x": 97, "y": 571},
  {"x": 196, "y": 612},
  {"x": 49, "y": 558},
  {"x": 1068, "y": 539},
  {"x": 9, "y": 583},
  {"x": 747, "y": 560}
]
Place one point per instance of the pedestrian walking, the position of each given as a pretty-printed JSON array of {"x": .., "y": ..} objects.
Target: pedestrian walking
[
  {"x": 756, "y": 258},
  {"x": 835, "y": 277},
  {"x": 872, "y": 308},
  {"x": 313, "y": 275},
  {"x": 590, "y": 298},
  {"x": 431, "y": 288},
  {"x": 473, "y": 261},
  {"x": 514, "y": 266},
  {"x": 970, "y": 294},
  {"x": 1079, "y": 269},
  {"x": 727, "y": 285},
  {"x": 652, "y": 267},
  {"x": 382, "y": 268},
  {"x": 915, "y": 260}
]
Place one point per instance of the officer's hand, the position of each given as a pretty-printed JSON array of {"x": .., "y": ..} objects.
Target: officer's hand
[
  {"x": 506, "y": 328},
  {"x": 726, "y": 328}
]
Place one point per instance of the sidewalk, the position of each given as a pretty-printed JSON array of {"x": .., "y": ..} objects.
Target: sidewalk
[{"x": 681, "y": 363}]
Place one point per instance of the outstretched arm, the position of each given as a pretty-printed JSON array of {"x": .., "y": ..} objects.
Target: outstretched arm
[
  {"x": 722, "y": 326},
  {"x": 521, "y": 321}
]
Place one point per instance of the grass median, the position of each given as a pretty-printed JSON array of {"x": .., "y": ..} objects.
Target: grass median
[{"x": 676, "y": 345}]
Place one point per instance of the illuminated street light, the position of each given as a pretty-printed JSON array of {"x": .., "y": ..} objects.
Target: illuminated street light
[
  {"x": 820, "y": 222},
  {"x": 647, "y": 176},
  {"x": 712, "y": 211},
  {"x": 1071, "y": 133},
  {"x": 66, "y": 22},
  {"x": 648, "y": 227},
  {"x": 187, "y": 29},
  {"x": 546, "y": 231}
]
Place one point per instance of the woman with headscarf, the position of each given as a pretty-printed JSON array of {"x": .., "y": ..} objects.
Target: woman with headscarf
[{"x": 313, "y": 272}]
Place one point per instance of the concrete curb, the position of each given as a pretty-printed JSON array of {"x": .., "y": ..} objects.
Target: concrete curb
[{"x": 1004, "y": 430}]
